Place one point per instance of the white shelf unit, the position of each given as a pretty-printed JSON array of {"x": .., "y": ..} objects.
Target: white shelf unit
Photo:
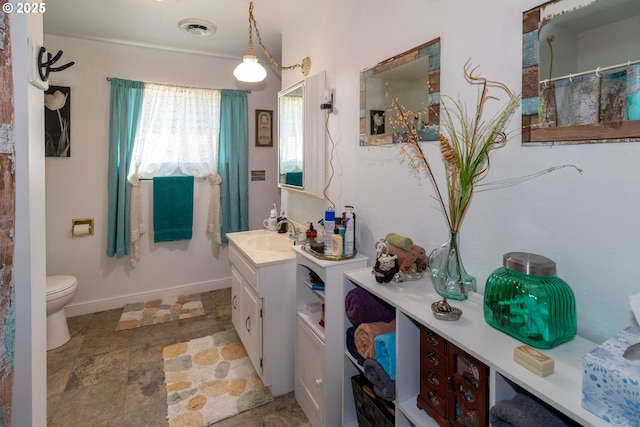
[
  {"x": 561, "y": 390},
  {"x": 318, "y": 387}
]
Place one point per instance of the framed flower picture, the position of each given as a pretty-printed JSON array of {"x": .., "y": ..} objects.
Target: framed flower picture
[
  {"x": 377, "y": 122},
  {"x": 57, "y": 121},
  {"x": 264, "y": 128}
]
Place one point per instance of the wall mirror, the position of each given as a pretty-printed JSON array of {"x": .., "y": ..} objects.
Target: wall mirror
[
  {"x": 581, "y": 72},
  {"x": 414, "y": 78},
  {"x": 301, "y": 136},
  {"x": 291, "y": 136}
]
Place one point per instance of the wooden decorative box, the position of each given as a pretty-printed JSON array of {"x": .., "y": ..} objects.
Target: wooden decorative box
[{"x": 453, "y": 385}]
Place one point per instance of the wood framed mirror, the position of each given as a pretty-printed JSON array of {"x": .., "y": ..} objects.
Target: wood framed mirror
[
  {"x": 581, "y": 72},
  {"x": 414, "y": 77}
]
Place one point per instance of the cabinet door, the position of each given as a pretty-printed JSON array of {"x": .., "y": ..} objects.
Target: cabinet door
[
  {"x": 236, "y": 300},
  {"x": 310, "y": 372},
  {"x": 469, "y": 389},
  {"x": 251, "y": 326}
]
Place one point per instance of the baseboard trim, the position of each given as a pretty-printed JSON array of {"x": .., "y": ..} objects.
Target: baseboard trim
[{"x": 108, "y": 304}]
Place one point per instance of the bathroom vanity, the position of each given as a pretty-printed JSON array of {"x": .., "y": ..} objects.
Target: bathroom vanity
[{"x": 263, "y": 303}]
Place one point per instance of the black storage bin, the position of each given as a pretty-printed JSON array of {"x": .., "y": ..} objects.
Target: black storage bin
[{"x": 369, "y": 409}]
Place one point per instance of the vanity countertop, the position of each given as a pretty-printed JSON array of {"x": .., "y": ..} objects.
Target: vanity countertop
[{"x": 263, "y": 247}]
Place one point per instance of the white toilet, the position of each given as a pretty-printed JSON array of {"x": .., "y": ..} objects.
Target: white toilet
[{"x": 60, "y": 292}]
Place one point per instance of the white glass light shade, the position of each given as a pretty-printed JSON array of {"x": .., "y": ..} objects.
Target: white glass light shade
[{"x": 250, "y": 70}]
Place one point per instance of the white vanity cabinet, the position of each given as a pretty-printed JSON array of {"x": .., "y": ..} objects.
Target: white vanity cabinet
[
  {"x": 561, "y": 390},
  {"x": 319, "y": 350},
  {"x": 263, "y": 314}
]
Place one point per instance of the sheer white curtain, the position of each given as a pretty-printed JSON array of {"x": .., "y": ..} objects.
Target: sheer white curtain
[
  {"x": 177, "y": 135},
  {"x": 291, "y": 118}
]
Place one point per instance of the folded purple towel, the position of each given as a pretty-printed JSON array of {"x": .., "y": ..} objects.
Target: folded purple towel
[{"x": 363, "y": 307}]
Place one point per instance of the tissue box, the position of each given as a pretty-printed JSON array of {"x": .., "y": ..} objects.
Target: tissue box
[{"x": 611, "y": 383}]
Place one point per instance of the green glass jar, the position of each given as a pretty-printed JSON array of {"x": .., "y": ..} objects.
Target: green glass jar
[{"x": 526, "y": 300}]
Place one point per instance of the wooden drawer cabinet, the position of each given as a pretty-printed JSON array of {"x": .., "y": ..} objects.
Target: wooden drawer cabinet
[{"x": 453, "y": 385}]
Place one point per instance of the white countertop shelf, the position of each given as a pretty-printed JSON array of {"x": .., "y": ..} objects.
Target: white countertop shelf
[{"x": 561, "y": 390}]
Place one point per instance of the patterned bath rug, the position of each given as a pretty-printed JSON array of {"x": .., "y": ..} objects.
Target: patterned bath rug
[
  {"x": 209, "y": 379},
  {"x": 159, "y": 311}
]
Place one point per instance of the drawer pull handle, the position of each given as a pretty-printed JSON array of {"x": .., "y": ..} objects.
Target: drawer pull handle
[
  {"x": 431, "y": 377},
  {"x": 433, "y": 398},
  {"x": 247, "y": 323},
  {"x": 235, "y": 299},
  {"x": 433, "y": 358},
  {"x": 432, "y": 338}
]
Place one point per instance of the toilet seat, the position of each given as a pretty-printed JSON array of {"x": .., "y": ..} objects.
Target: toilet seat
[{"x": 60, "y": 284}]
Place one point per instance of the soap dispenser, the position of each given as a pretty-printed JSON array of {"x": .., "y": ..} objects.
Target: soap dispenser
[
  {"x": 311, "y": 233},
  {"x": 284, "y": 225}
]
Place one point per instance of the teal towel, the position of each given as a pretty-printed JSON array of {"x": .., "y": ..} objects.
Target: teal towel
[
  {"x": 386, "y": 352},
  {"x": 294, "y": 178},
  {"x": 172, "y": 208}
]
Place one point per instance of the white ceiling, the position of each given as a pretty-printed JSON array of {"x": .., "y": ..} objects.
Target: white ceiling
[{"x": 154, "y": 23}]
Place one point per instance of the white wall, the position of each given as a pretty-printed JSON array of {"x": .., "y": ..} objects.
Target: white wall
[
  {"x": 76, "y": 187},
  {"x": 30, "y": 375},
  {"x": 588, "y": 224}
]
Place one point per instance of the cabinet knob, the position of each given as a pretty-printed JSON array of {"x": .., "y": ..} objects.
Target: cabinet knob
[
  {"x": 432, "y": 338},
  {"x": 431, "y": 377},
  {"x": 433, "y": 358},
  {"x": 433, "y": 398},
  {"x": 318, "y": 382}
]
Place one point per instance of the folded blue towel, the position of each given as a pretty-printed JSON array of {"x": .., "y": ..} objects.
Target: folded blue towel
[
  {"x": 351, "y": 345},
  {"x": 386, "y": 352},
  {"x": 172, "y": 208}
]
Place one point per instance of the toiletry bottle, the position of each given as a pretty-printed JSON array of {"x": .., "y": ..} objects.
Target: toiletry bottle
[
  {"x": 336, "y": 244},
  {"x": 350, "y": 231},
  {"x": 329, "y": 225},
  {"x": 311, "y": 233},
  {"x": 283, "y": 226}
]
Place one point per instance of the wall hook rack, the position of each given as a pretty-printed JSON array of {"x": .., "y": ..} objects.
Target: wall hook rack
[{"x": 45, "y": 67}]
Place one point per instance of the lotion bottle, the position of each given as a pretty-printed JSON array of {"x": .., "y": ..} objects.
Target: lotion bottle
[
  {"x": 329, "y": 226},
  {"x": 336, "y": 244},
  {"x": 350, "y": 231}
]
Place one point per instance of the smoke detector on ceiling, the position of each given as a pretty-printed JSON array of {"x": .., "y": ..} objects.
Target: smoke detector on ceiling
[{"x": 197, "y": 27}]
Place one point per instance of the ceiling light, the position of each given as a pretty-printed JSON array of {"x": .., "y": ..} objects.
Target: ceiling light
[
  {"x": 197, "y": 27},
  {"x": 250, "y": 70}
]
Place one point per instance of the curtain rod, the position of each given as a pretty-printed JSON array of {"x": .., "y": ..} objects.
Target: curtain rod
[
  {"x": 584, "y": 73},
  {"x": 198, "y": 178},
  {"x": 188, "y": 87}
]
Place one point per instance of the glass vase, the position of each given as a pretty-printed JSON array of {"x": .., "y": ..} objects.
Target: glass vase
[{"x": 448, "y": 275}]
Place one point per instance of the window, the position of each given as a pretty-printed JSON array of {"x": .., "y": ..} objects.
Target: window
[{"x": 177, "y": 133}]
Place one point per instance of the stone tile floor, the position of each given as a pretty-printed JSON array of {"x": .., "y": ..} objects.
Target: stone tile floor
[{"x": 108, "y": 378}]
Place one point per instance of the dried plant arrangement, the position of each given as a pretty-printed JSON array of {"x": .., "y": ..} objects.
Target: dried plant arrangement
[{"x": 466, "y": 148}]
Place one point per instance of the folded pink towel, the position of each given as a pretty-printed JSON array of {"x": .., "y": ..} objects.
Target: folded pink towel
[{"x": 366, "y": 334}]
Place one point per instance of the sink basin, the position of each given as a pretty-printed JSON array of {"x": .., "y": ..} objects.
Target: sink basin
[{"x": 273, "y": 243}]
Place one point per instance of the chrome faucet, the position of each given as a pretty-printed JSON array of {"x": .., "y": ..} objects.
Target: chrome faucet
[{"x": 293, "y": 230}]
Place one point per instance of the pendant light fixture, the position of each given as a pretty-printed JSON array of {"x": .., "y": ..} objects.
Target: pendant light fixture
[{"x": 250, "y": 70}]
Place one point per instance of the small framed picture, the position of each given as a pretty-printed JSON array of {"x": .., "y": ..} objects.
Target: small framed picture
[
  {"x": 264, "y": 128},
  {"x": 377, "y": 122},
  {"x": 57, "y": 122}
]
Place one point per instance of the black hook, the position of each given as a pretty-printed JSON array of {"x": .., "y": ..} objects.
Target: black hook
[{"x": 45, "y": 67}]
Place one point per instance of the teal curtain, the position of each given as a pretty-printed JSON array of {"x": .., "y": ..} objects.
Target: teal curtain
[
  {"x": 126, "y": 103},
  {"x": 233, "y": 161}
]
